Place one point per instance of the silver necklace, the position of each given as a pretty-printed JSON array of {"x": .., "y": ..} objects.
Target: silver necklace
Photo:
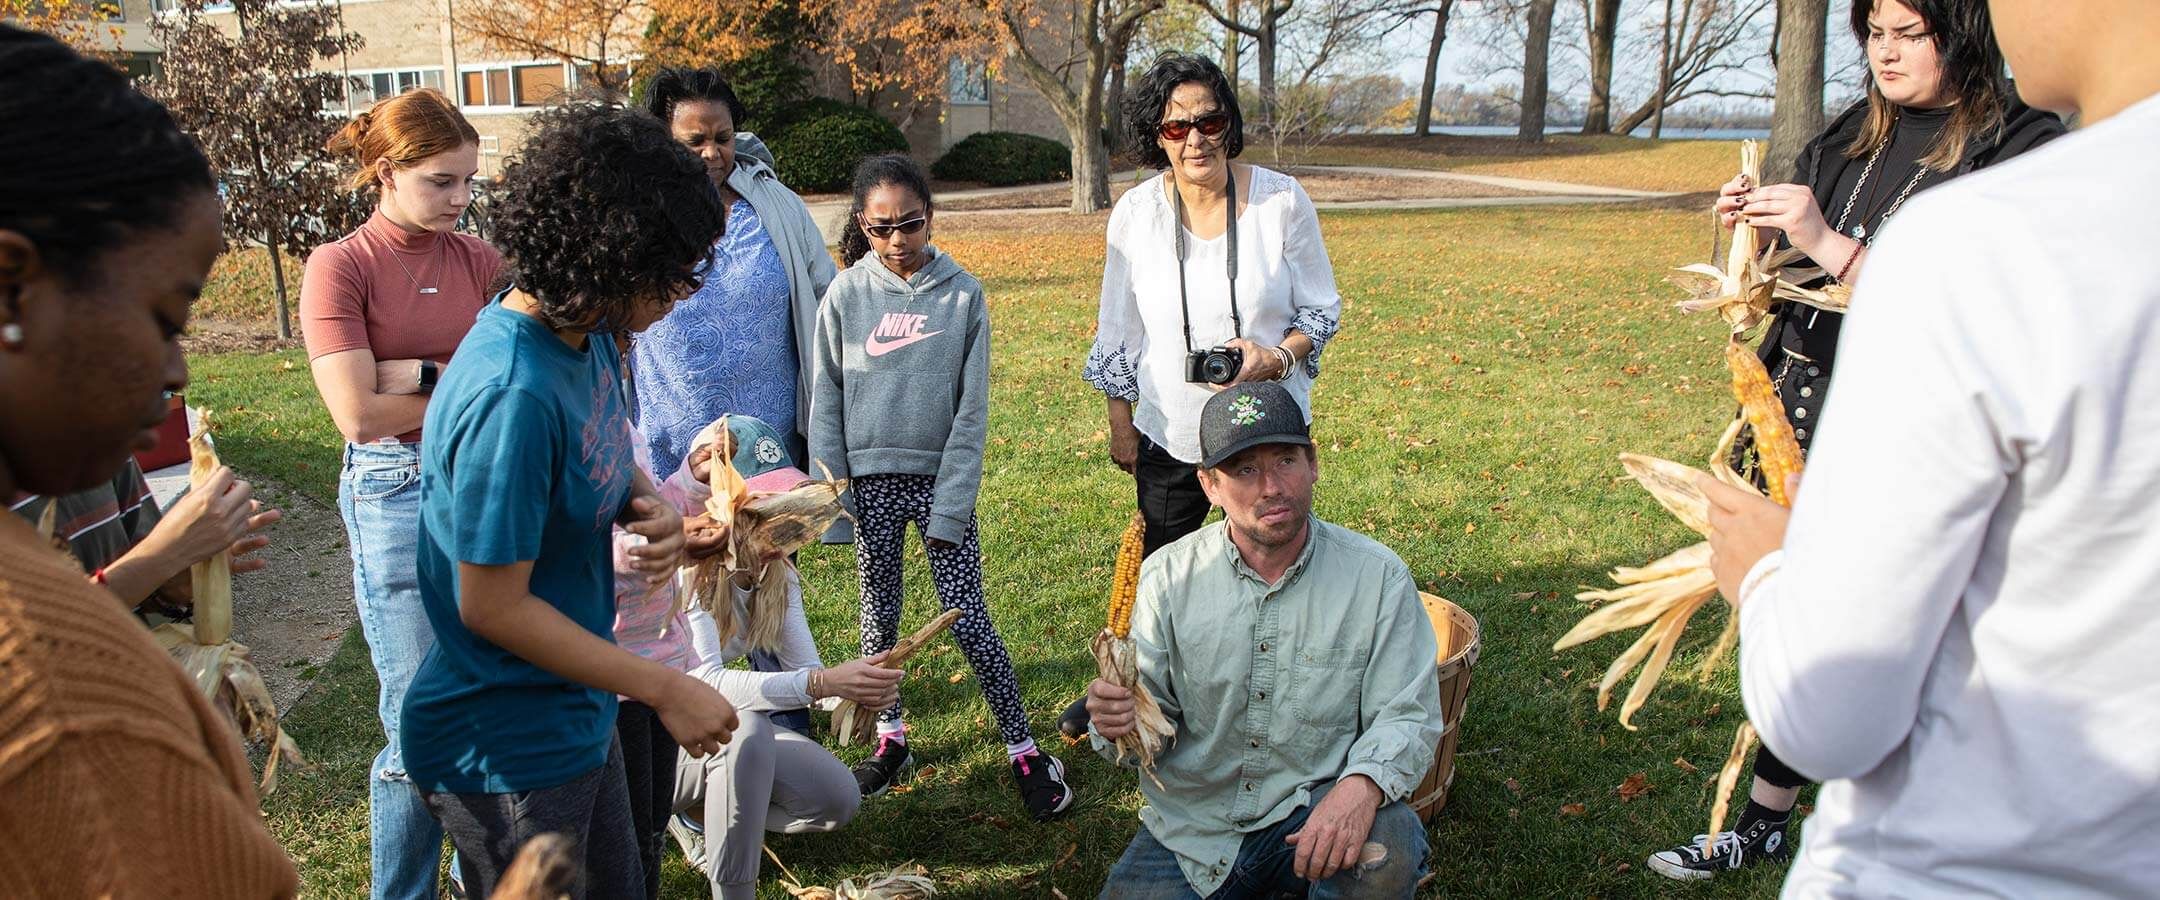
[
  {"x": 1859, "y": 230},
  {"x": 408, "y": 272}
]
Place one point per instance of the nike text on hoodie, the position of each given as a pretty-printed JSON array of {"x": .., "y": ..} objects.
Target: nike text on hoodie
[{"x": 901, "y": 383}]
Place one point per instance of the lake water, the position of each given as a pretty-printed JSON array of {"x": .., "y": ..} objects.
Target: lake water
[{"x": 1671, "y": 133}]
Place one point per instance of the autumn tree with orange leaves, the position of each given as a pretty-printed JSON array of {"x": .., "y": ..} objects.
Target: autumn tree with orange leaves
[
  {"x": 595, "y": 36},
  {"x": 85, "y": 25}
]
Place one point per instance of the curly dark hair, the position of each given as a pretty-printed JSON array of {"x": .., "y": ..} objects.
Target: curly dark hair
[
  {"x": 601, "y": 209},
  {"x": 88, "y": 160},
  {"x": 1145, "y": 100},
  {"x": 675, "y": 84},
  {"x": 872, "y": 173}
]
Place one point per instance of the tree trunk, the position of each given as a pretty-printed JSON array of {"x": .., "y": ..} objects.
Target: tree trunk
[
  {"x": 1604, "y": 32},
  {"x": 1797, "y": 114},
  {"x": 1090, "y": 160},
  {"x": 277, "y": 279},
  {"x": 1531, "y": 127},
  {"x": 1268, "y": 34},
  {"x": 1432, "y": 67},
  {"x": 1664, "y": 76},
  {"x": 1113, "y": 104},
  {"x": 1233, "y": 44}
]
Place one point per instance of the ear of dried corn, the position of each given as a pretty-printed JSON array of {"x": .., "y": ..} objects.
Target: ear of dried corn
[
  {"x": 1117, "y": 659},
  {"x": 212, "y": 577},
  {"x": 1775, "y": 447},
  {"x": 766, "y": 528},
  {"x": 853, "y": 724},
  {"x": 221, "y": 668}
]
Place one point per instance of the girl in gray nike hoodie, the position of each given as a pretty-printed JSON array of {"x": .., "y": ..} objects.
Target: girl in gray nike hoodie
[{"x": 899, "y": 401}]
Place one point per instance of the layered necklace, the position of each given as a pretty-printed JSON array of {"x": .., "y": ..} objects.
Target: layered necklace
[{"x": 1859, "y": 230}]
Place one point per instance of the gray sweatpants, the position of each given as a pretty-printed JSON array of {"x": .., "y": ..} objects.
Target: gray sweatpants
[{"x": 765, "y": 779}]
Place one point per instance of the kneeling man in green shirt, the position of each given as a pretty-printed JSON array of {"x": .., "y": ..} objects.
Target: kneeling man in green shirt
[{"x": 1296, "y": 661}]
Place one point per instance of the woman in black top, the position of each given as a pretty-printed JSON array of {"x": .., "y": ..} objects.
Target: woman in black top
[{"x": 1937, "y": 107}]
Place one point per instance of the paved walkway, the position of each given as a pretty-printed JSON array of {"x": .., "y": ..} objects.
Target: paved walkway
[{"x": 828, "y": 213}]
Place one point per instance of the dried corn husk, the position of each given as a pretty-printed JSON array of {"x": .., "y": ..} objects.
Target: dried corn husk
[
  {"x": 908, "y": 882},
  {"x": 1728, "y": 776},
  {"x": 221, "y": 668},
  {"x": 1674, "y": 487},
  {"x": 697, "y": 583},
  {"x": 853, "y": 724},
  {"x": 1741, "y": 292},
  {"x": 1788, "y": 267},
  {"x": 766, "y": 528}
]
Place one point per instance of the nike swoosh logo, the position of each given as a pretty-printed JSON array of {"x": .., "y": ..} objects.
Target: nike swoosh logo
[{"x": 874, "y": 347}]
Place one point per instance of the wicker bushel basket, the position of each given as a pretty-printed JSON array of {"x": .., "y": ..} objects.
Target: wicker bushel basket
[{"x": 1457, "y": 633}]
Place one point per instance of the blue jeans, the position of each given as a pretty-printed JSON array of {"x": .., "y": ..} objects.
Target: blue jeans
[
  {"x": 379, "y": 497},
  {"x": 1265, "y": 865}
]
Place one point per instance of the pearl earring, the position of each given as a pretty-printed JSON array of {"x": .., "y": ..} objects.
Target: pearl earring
[{"x": 11, "y": 334}]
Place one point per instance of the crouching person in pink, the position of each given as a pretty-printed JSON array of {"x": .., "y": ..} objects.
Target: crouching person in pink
[{"x": 769, "y": 778}]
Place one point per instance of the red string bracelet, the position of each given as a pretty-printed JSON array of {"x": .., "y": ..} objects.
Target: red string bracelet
[{"x": 1849, "y": 260}]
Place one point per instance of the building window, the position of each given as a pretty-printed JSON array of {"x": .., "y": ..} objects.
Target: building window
[
  {"x": 967, "y": 84},
  {"x": 365, "y": 88},
  {"x": 490, "y": 145}
]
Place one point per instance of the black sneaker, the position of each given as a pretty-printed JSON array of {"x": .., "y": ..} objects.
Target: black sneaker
[
  {"x": 882, "y": 770},
  {"x": 1763, "y": 841},
  {"x": 1042, "y": 785},
  {"x": 1074, "y": 723}
]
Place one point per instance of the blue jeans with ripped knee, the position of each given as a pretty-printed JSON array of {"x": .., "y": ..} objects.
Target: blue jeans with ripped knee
[
  {"x": 1265, "y": 866},
  {"x": 379, "y": 497}
]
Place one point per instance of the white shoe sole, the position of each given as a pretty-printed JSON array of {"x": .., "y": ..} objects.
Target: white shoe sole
[{"x": 1678, "y": 872}]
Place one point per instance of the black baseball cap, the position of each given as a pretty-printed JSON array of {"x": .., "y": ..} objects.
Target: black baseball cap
[{"x": 1247, "y": 415}]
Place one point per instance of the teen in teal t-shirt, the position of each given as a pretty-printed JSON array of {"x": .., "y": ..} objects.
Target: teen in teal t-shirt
[{"x": 528, "y": 457}]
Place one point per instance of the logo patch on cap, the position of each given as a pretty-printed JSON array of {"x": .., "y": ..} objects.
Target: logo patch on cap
[
  {"x": 767, "y": 450},
  {"x": 1246, "y": 410}
]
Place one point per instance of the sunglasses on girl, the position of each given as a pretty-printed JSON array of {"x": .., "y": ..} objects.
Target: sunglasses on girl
[
  {"x": 885, "y": 232},
  {"x": 1210, "y": 126}
]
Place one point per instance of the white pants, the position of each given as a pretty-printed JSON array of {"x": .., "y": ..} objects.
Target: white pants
[{"x": 766, "y": 779}]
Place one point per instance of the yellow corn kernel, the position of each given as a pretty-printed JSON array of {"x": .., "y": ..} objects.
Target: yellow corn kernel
[{"x": 1125, "y": 584}]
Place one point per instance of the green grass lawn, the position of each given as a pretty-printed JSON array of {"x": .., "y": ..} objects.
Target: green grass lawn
[{"x": 1490, "y": 365}]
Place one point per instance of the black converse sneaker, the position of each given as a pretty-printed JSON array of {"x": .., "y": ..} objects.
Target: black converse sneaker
[
  {"x": 1042, "y": 784},
  {"x": 1764, "y": 840},
  {"x": 882, "y": 770}
]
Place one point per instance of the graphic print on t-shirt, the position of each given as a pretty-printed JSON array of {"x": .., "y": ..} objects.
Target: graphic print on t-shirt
[
  {"x": 606, "y": 445},
  {"x": 898, "y": 330}
]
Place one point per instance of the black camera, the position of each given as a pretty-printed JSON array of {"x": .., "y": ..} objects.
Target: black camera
[{"x": 1215, "y": 365}]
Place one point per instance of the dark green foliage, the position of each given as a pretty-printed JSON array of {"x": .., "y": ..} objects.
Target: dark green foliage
[
  {"x": 1005, "y": 157},
  {"x": 817, "y": 152}
]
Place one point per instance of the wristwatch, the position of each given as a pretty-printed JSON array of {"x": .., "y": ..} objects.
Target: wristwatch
[{"x": 429, "y": 374}]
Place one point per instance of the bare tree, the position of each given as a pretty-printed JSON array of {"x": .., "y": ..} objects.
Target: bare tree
[
  {"x": 1603, "y": 19},
  {"x": 1536, "y": 57},
  {"x": 1072, "y": 75},
  {"x": 1440, "y": 13},
  {"x": 251, "y": 97},
  {"x": 1265, "y": 28},
  {"x": 1705, "y": 58},
  {"x": 1798, "y": 113},
  {"x": 1664, "y": 73}
]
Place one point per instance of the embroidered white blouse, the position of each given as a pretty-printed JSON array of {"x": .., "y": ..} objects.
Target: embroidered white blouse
[{"x": 1284, "y": 284}]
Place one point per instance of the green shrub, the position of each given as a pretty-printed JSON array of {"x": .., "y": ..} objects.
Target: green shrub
[
  {"x": 1004, "y": 157},
  {"x": 818, "y": 151}
]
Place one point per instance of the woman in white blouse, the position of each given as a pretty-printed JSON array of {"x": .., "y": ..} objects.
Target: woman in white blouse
[
  {"x": 1186, "y": 274},
  {"x": 1190, "y": 270}
]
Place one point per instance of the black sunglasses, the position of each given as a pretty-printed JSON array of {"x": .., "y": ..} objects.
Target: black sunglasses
[
  {"x": 885, "y": 232},
  {"x": 1210, "y": 125}
]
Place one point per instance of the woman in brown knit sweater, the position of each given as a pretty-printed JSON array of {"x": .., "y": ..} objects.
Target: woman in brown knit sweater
[{"x": 116, "y": 777}]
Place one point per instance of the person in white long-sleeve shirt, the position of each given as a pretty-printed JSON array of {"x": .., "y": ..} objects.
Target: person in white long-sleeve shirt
[{"x": 1958, "y": 632}]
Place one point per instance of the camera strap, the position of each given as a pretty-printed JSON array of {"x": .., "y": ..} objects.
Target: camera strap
[{"x": 1177, "y": 200}]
